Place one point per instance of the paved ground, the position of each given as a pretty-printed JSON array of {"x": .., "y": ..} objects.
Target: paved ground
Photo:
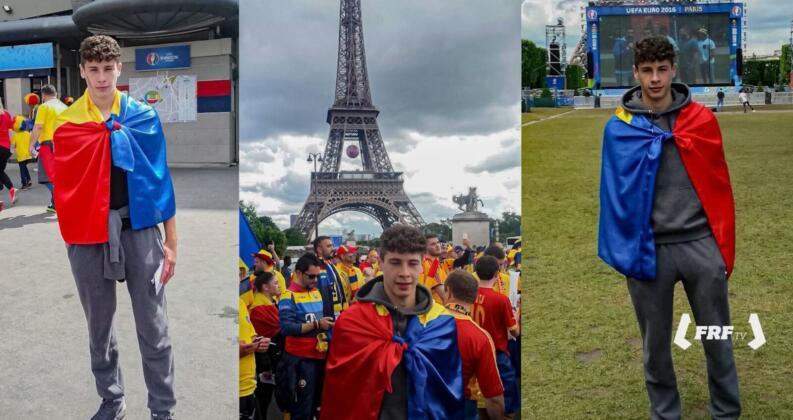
[{"x": 44, "y": 346}]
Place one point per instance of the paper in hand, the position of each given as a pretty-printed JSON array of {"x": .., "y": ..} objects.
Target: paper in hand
[{"x": 157, "y": 280}]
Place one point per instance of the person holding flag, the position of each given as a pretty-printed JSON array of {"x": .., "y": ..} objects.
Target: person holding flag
[
  {"x": 394, "y": 352},
  {"x": 112, "y": 190},
  {"x": 667, "y": 214}
]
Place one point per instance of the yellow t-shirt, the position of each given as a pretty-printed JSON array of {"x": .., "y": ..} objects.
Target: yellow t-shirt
[
  {"x": 352, "y": 279},
  {"x": 247, "y": 363},
  {"x": 20, "y": 139},
  {"x": 502, "y": 284},
  {"x": 431, "y": 281},
  {"x": 46, "y": 115}
]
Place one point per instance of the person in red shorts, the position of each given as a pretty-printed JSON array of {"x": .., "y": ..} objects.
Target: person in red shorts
[
  {"x": 478, "y": 354},
  {"x": 493, "y": 312}
]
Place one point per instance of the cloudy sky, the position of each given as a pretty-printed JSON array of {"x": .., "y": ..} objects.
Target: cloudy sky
[
  {"x": 768, "y": 22},
  {"x": 445, "y": 76}
]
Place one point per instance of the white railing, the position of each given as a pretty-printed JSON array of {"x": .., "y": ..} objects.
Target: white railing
[
  {"x": 710, "y": 100},
  {"x": 782, "y": 98}
]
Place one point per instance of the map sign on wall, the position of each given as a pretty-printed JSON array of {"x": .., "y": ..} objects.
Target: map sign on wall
[{"x": 174, "y": 97}]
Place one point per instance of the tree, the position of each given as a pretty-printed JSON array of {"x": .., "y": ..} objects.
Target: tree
[
  {"x": 575, "y": 76},
  {"x": 533, "y": 62},
  {"x": 264, "y": 228},
  {"x": 761, "y": 72},
  {"x": 508, "y": 225},
  {"x": 785, "y": 65},
  {"x": 444, "y": 231},
  {"x": 294, "y": 237}
]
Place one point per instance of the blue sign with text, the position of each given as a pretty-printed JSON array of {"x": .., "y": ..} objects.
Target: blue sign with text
[
  {"x": 27, "y": 57},
  {"x": 159, "y": 58},
  {"x": 554, "y": 82}
]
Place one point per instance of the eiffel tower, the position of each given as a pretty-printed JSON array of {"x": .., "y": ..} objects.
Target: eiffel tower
[{"x": 376, "y": 190}]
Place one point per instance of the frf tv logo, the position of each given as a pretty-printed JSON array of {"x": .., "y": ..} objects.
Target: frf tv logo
[
  {"x": 592, "y": 14},
  {"x": 152, "y": 58},
  {"x": 719, "y": 332}
]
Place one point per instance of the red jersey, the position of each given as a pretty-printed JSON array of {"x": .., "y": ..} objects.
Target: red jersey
[
  {"x": 479, "y": 358},
  {"x": 493, "y": 312}
]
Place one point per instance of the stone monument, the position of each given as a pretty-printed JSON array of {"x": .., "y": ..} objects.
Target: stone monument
[{"x": 471, "y": 223}]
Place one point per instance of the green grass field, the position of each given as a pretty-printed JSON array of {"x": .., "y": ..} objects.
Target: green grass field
[
  {"x": 582, "y": 353},
  {"x": 537, "y": 114}
]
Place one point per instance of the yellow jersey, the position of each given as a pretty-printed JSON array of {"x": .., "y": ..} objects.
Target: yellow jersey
[
  {"x": 46, "y": 116},
  {"x": 247, "y": 362}
]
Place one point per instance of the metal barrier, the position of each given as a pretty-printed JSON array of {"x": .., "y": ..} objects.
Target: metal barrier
[{"x": 782, "y": 98}]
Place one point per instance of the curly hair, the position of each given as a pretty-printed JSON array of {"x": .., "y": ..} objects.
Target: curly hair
[
  {"x": 99, "y": 48},
  {"x": 402, "y": 239},
  {"x": 651, "y": 49}
]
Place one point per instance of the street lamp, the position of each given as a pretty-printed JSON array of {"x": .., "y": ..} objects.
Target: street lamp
[{"x": 315, "y": 157}]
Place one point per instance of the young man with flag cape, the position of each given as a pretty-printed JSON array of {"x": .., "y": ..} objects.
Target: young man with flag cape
[
  {"x": 112, "y": 189},
  {"x": 667, "y": 214},
  {"x": 394, "y": 352}
]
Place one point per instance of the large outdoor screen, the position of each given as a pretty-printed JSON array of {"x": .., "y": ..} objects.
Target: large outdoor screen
[{"x": 701, "y": 43}]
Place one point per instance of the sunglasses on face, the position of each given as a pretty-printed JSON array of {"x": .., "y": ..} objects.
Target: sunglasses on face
[{"x": 312, "y": 276}]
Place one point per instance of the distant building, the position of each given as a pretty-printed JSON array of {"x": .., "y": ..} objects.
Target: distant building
[{"x": 184, "y": 60}]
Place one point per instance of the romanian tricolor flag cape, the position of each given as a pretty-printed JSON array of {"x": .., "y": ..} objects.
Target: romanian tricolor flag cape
[
  {"x": 364, "y": 353},
  {"x": 264, "y": 316},
  {"x": 631, "y": 157},
  {"x": 82, "y": 164}
]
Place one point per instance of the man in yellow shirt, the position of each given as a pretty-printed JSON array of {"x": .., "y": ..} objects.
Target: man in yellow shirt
[
  {"x": 501, "y": 284},
  {"x": 43, "y": 131},
  {"x": 348, "y": 270},
  {"x": 263, "y": 261},
  {"x": 434, "y": 273},
  {"x": 249, "y": 344}
]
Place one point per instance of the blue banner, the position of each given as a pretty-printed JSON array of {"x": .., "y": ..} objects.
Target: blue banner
[
  {"x": 734, "y": 9},
  {"x": 27, "y": 57},
  {"x": 555, "y": 82},
  {"x": 248, "y": 243},
  {"x": 159, "y": 58}
]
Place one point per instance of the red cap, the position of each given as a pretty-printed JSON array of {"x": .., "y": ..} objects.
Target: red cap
[
  {"x": 344, "y": 249},
  {"x": 265, "y": 255}
]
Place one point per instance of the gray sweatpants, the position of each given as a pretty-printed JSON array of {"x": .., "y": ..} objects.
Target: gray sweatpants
[
  {"x": 133, "y": 256},
  {"x": 701, "y": 268}
]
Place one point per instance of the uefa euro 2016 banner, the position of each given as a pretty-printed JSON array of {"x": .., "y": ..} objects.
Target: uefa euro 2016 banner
[
  {"x": 735, "y": 10},
  {"x": 706, "y": 39}
]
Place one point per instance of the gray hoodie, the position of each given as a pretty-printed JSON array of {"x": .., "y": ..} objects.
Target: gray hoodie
[
  {"x": 677, "y": 212},
  {"x": 395, "y": 404}
]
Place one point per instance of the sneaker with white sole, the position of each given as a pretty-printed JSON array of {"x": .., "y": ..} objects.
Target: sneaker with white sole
[
  {"x": 111, "y": 410},
  {"x": 13, "y": 193}
]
